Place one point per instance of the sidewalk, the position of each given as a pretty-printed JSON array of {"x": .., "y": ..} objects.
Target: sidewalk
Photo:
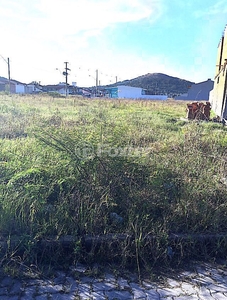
[{"x": 206, "y": 281}]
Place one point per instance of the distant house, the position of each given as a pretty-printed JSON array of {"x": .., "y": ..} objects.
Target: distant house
[
  {"x": 198, "y": 91},
  {"x": 33, "y": 87},
  {"x": 84, "y": 92},
  {"x": 2, "y": 86},
  {"x": 16, "y": 87},
  {"x": 60, "y": 88},
  {"x": 218, "y": 96},
  {"x": 129, "y": 92}
]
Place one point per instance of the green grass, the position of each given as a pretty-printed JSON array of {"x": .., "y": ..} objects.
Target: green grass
[{"x": 66, "y": 165}]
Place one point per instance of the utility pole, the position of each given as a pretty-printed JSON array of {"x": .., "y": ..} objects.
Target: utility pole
[
  {"x": 97, "y": 81},
  {"x": 65, "y": 73},
  {"x": 8, "y": 64},
  {"x": 116, "y": 78}
]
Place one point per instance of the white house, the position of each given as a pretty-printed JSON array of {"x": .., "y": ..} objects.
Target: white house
[{"x": 19, "y": 87}]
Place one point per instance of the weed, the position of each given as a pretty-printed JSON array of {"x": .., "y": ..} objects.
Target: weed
[{"x": 110, "y": 168}]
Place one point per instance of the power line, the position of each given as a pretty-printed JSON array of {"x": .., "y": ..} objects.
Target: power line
[{"x": 112, "y": 78}]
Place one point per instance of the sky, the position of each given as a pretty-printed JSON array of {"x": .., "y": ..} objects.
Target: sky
[{"x": 122, "y": 39}]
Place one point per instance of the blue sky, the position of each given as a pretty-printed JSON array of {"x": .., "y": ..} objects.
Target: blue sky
[{"x": 123, "y": 38}]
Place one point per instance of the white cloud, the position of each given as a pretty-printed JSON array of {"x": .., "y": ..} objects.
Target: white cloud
[
  {"x": 53, "y": 18},
  {"x": 70, "y": 17},
  {"x": 40, "y": 34}
]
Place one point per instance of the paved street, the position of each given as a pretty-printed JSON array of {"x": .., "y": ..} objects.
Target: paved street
[{"x": 205, "y": 281}]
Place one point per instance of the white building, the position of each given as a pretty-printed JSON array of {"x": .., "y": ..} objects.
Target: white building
[
  {"x": 19, "y": 87},
  {"x": 129, "y": 92}
]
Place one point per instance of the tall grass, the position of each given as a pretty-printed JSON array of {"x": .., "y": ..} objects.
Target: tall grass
[{"x": 97, "y": 167}]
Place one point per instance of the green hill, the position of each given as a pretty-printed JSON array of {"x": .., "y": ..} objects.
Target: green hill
[{"x": 158, "y": 83}]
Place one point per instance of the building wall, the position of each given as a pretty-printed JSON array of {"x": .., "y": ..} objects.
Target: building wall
[
  {"x": 198, "y": 91},
  {"x": 2, "y": 87},
  {"x": 129, "y": 92},
  {"x": 29, "y": 89},
  {"x": 218, "y": 96},
  {"x": 112, "y": 92},
  {"x": 20, "y": 89}
]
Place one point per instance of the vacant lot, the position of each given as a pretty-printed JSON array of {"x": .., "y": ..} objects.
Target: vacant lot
[{"x": 101, "y": 167}]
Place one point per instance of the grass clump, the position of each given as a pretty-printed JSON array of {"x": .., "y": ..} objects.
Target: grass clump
[{"x": 114, "y": 168}]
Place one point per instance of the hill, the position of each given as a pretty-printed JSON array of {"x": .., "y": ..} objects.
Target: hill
[{"x": 158, "y": 83}]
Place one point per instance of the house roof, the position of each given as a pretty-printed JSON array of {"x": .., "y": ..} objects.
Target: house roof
[
  {"x": 6, "y": 80},
  {"x": 17, "y": 82},
  {"x": 128, "y": 86},
  {"x": 54, "y": 86}
]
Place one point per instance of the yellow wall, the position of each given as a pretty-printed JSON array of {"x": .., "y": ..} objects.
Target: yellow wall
[{"x": 218, "y": 94}]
